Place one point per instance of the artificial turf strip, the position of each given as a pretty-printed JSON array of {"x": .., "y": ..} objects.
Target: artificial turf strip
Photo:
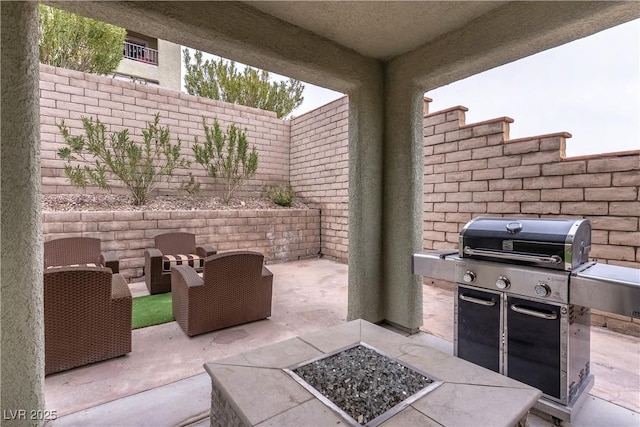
[{"x": 151, "y": 310}]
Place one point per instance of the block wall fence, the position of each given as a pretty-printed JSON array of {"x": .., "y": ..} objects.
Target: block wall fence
[
  {"x": 473, "y": 170},
  {"x": 319, "y": 171},
  {"x": 469, "y": 169},
  {"x": 71, "y": 95}
]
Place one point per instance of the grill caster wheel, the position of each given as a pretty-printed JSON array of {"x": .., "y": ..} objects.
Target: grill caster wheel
[{"x": 556, "y": 421}]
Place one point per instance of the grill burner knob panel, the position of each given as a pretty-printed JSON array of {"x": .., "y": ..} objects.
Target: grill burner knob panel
[
  {"x": 520, "y": 280},
  {"x": 502, "y": 282},
  {"x": 542, "y": 289},
  {"x": 469, "y": 277}
]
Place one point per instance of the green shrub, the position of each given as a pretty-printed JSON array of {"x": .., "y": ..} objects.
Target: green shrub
[
  {"x": 139, "y": 167},
  {"x": 191, "y": 185},
  {"x": 224, "y": 156},
  {"x": 77, "y": 43},
  {"x": 282, "y": 194}
]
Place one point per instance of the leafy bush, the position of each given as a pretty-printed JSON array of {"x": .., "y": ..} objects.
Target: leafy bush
[
  {"x": 191, "y": 185},
  {"x": 282, "y": 194},
  {"x": 220, "y": 79},
  {"x": 140, "y": 167},
  {"x": 224, "y": 156},
  {"x": 77, "y": 43}
]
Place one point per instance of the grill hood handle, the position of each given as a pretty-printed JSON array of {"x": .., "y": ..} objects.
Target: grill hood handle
[{"x": 545, "y": 259}]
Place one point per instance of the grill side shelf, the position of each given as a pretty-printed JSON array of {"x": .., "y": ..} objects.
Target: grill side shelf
[
  {"x": 606, "y": 287},
  {"x": 436, "y": 264}
]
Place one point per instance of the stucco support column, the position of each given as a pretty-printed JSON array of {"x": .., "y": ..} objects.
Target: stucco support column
[
  {"x": 366, "y": 134},
  {"x": 402, "y": 199},
  {"x": 385, "y": 200},
  {"x": 21, "y": 264}
]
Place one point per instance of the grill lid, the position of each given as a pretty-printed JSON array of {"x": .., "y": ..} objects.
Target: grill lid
[{"x": 561, "y": 244}]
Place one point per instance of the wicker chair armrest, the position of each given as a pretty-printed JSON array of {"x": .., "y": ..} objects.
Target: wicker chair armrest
[
  {"x": 152, "y": 253},
  {"x": 110, "y": 260},
  {"x": 266, "y": 272},
  {"x": 157, "y": 280},
  {"x": 204, "y": 251},
  {"x": 119, "y": 287},
  {"x": 184, "y": 280},
  {"x": 185, "y": 277},
  {"x": 121, "y": 309}
]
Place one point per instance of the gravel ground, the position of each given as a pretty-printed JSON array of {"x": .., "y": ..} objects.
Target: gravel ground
[
  {"x": 115, "y": 202},
  {"x": 362, "y": 382}
]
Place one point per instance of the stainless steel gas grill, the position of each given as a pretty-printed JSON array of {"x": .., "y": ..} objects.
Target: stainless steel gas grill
[{"x": 523, "y": 299}]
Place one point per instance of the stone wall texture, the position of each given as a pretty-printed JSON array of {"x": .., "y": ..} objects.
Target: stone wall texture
[
  {"x": 469, "y": 170},
  {"x": 319, "y": 171},
  {"x": 279, "y": 234},
  {"x": 70, "y": 95},
  {"x": 473, "y": 170},
  {"x": 476, "y": 170}
]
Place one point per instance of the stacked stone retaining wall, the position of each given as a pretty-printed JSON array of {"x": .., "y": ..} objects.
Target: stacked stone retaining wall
[{"x": 279, "y": 234}]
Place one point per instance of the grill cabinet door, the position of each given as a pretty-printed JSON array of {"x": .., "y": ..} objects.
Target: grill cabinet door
[
  {"x": 533, "y": 344},
  {"x": 479, "y": 330}
]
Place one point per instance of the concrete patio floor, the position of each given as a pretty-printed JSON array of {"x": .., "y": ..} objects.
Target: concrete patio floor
[{"x": 162, "y": 381}]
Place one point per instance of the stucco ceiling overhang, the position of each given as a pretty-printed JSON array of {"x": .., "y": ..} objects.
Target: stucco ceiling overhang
[
  {"x": 377, "y": 29},
  {"x": 340, "y": 45}
]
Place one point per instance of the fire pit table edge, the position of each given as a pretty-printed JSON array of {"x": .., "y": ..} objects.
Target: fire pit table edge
[{"x": 251, "y": 389}]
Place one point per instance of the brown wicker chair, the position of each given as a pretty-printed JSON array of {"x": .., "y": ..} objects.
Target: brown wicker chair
[
  {"x": 78, "y": 251},
  {"x": 87, "y": 317},
  {"x": 235, "y": 288},
  {"x": 171, "y": 249}
]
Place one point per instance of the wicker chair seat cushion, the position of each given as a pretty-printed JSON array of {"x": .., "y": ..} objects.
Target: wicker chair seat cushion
[
  {"x": 192, "y": 260},
  {"x": 74, "y": 265}
]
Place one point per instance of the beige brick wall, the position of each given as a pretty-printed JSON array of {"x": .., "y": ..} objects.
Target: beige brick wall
[
  {"x": 473, "y": 170},
  {"x": 71, "y": 95},
  {"x": 469, "y": 170},
  {"x": 319, "y": 171},
  {"x": 279, "y": 234}
]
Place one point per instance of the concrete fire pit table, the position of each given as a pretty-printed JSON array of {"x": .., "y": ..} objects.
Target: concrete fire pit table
[{"x": 253, "y": 389}]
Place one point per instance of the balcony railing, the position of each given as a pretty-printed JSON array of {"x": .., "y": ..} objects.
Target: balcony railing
[{"x": 140, "y": 53}]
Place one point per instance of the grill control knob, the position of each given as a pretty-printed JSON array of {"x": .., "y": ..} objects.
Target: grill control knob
[
  {"x": 469, "y": 277},
  {"x": 502, "y": 282},
  {"x": 542, "y": 289}
]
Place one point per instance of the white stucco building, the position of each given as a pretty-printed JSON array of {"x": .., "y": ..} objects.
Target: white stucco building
[{"x": 150, "y": 61}]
